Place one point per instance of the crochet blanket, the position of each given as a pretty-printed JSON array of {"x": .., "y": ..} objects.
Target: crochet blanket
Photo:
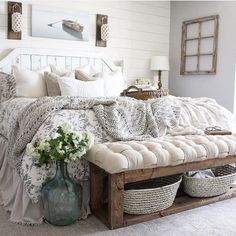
[{"x": 122, "y": 118}]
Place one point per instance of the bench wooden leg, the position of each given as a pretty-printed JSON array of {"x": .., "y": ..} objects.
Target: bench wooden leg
[
  {"x": 116, "y": 200},
  {"x": 96, "y": 187}
]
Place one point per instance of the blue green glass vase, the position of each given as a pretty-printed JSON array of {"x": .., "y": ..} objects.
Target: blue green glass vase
[{"x": 61, "y": 198}]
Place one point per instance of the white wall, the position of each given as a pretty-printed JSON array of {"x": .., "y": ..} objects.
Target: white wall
[
  {"x": 138, "y": 31},
  {"x": 220, "y": 86}
]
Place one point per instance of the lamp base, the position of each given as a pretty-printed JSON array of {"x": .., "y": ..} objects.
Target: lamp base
[{"x": 157, "y": 82}]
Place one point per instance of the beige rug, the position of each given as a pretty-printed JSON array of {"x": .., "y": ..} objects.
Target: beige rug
[{"x": 217, "y": 219}]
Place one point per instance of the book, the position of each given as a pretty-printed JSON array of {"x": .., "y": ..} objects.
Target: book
[{"x": 218, "y": 132}]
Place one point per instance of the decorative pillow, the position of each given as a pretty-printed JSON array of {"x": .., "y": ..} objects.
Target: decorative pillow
[
  {"x": 113, "y": 83},
  {"x": 7, "y": 87},
  {"x": 73, "y": 87},
  {"x": 61, "y": 72},
  {"x": 53, "y": 87},
  {"x": 30, "y": 83},
  {"x": 86, "y": 73}
]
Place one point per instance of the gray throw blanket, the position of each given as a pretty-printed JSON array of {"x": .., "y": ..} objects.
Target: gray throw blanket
[{"x": 122, "y": 118}]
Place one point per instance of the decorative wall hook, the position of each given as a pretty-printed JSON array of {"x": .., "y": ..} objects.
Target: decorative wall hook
[
  {"x": 102, "y": 30},
  {"x": 14, "y": 20}
]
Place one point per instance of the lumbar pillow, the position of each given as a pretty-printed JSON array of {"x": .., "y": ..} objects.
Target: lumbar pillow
[
  {"x": 73, "y": 87},
  {"x": 53, "y": 88},
  {"x": 7, "y": 87},
  {"x": 30, "y": 83},
  {"x": 86, "y": 73}
]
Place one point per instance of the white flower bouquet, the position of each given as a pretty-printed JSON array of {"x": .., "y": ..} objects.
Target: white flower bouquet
[{"x": 68, "y": 145}]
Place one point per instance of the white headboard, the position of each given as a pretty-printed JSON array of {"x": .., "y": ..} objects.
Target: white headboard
[{"x": 36, "y": 59}]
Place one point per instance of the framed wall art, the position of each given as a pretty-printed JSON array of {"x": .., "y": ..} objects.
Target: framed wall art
[
  {"x": 199, "y": 46},
  {"x": 51, "y": 22}
]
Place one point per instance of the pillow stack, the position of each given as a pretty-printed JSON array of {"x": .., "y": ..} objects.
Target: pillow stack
[{"x": 85, "y": 81}]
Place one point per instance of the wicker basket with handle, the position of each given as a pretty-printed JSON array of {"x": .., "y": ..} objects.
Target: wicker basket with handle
[
  {"x": 209, "y": 187},
  {"x": 151, "y": 196},
  {"x": 141, "y": 94}
]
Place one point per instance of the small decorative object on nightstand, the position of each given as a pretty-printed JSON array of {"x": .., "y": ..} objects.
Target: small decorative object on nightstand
[
  {"x": 142, "y": 94},
  {"x": 159, "y": 64}
]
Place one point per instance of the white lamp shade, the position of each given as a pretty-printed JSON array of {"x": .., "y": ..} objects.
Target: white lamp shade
[{"x": 159, "y": 63}]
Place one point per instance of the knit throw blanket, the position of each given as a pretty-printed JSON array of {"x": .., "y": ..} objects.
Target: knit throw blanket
[{"x": 122, "y": 118}]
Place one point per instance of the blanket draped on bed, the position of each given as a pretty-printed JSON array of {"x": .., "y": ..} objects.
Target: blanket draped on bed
[{"x": 122, "y": 118}]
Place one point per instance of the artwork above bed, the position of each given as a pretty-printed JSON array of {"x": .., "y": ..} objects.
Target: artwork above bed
[{"x": 58, "y": 23}]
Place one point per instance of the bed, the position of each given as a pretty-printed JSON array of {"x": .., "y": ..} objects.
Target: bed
[
  {"x": 20, "y": 190},
  {"x": 25, "y": 120}
]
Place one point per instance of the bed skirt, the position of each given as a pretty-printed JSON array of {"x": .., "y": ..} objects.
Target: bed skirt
[{"x": 15, "y": 200}]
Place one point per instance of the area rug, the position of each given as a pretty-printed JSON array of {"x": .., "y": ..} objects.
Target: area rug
[{"x": 217, "y": 219}]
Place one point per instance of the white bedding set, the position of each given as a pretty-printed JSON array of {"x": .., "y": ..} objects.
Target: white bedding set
[{"x": 25, "y": 187}]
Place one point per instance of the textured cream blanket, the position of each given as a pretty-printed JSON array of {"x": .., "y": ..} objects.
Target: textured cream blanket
[{"x": 199, "y": 113}]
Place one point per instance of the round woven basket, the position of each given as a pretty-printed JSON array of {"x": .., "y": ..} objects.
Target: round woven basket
[
  {"x": 151, "y": 196},
  {"x": 209, "y": 187}
]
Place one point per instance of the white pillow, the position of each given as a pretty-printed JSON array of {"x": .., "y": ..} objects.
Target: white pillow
[
  {"x": 30, "y": 83},
  {"x": 86, "y": 73},
  {"x": 73, "y": 87},
  {"x": 87, "y": 69},
  {"x": 61, "y": 72},
  {"x": 113, "y": 83}
]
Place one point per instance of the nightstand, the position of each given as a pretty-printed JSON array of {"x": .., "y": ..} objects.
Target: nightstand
[{"x": 142, "y": 94}]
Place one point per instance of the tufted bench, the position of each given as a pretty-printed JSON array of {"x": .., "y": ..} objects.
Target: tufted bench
[{"x": 132, "y": 161}]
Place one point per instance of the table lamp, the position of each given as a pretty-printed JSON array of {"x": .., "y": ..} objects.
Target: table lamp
[{"x": 159, "y": 64}]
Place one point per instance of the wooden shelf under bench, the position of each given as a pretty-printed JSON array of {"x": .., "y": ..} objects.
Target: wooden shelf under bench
[
  {"x": 181, "y": 204},
  {"x": 113, "y": 214}
]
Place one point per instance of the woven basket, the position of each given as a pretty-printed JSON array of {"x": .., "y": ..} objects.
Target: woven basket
[
  {"x": 209, "y": 187},
  {"x": 141, "y": 94},
  {"x": 151, "y": 196}
]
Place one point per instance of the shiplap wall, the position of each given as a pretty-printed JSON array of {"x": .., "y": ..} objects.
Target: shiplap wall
[{"x": 138, "y": 31}]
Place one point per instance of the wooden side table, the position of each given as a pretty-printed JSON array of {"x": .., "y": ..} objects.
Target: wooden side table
[{"x": 141, "y": 94}]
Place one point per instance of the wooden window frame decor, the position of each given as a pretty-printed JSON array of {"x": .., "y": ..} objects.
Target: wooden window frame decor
[{"x": 199, "y": 39}]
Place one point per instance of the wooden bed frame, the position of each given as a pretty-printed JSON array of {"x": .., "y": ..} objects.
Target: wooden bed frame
[{"x": 112, "y": 214}]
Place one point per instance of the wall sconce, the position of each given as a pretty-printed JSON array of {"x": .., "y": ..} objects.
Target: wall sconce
[
  {"x": 105, "y": 34},
  {"x": 14, "y": 20},
  {"x": 102, "y": 30}
]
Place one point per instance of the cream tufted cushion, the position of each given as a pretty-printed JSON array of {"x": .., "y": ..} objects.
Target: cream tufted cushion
[{"x": 164, "y": 151}]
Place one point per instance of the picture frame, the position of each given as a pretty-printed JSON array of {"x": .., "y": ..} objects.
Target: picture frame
[{"x": 199, "y": 46}]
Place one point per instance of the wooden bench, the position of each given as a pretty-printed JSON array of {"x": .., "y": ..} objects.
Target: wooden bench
[{"x": 112, "y": 214}]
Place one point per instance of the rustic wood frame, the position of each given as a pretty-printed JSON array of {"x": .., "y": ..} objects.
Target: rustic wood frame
[
  {"x": 198, "y": 70},
  {"x": 112, "y": 214},
  {"x": 10, "y": 33}
]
